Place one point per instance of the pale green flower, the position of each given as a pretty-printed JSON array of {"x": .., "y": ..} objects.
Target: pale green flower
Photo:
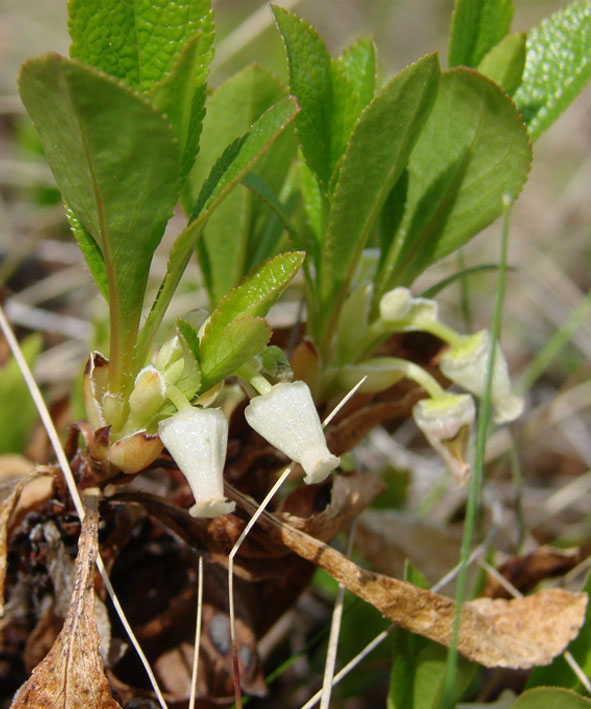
[
  {"x": 399, "y": 308},
  {"x": 446, "y": 422},
  {"x": 467, "y": 364},
  {"x": 197, "y": 440},
  {"x": 287, "y": 418}
]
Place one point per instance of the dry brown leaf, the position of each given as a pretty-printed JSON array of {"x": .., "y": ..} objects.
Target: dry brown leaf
[
  {"x": 349, "y": 495},
  {"x": 525, "y": 572},
  {"x": 71, "y": 675},
  {"x": 6, "y": 509},
  {"x": 519, "y": 633}
]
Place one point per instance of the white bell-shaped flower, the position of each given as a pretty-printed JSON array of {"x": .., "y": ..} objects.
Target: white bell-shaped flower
[
  {"x": 446, "y": 422},
  {"x": 197, "y": 440},
  {"x": 286, "y": 417},
  {"x": 467, "y": 364}
]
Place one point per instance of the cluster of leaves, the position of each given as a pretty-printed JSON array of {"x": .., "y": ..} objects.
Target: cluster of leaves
[{"x": 120, "y": 124}]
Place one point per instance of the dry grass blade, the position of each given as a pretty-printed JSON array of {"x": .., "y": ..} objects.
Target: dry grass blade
[
  {"x": 517, "y": 633},
  {"x": 71, "y": 675}
]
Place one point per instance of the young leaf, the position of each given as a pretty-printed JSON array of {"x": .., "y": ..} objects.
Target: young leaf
[
  {"x": 551, "y": 697},
  {"x": 138, "y": 41},
  {"x": 310, "y": 81},
  {"x": 108, "y": 149},
  {"x": 375, "y": 157},
  {"x": 557, "y": 66},
  {"x": 264, "y": 192},
  {"x": 257, "y": 292},
  {"x": 190, "y": 381},
  {"x": 231, "y": 111},
  {"x": 504, "y": 63},
  {"x": 472, "y": 151},
  {"x": 181, "y": 96},
  {"x": 477, "y": 26},
  {"x": 227, "y": 174},
  {"x": 224, "y": 350},
  {"x": 358, "y": 64},
  {"x": 92, "y": 253}
]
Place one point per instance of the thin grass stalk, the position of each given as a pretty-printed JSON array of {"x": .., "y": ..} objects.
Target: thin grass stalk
[
  {"x": 195, "y": 669},
  {"x": 335, "y": 629},
  {"x": 475, "y": 483},
  {"x": 555, "y": 344},
  {"x": 71, "y": 484}
]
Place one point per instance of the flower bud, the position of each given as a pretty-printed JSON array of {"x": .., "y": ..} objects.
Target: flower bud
[
  {"x": 287, "y": 418},
  {"x": 197, "y": 440},
  {"x": 467, "y": 364},
  {"x": 399, "y": 307},
  {"x": 446, "y": 423},
  {"x": 149, "y": 392}
]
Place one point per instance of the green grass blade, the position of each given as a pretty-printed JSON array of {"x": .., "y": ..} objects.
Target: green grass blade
[{"x": 477, "y": 476}]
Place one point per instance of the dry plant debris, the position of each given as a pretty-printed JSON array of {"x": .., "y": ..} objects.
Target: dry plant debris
[
  {"x": 72, "y": 675},
  {"x": 517, "y": 633}
]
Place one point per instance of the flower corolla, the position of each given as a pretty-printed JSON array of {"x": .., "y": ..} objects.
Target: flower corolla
[
  {"x": 197, "y": 439},
  {"x": 446, "y": 423},
  {"x": 287, "y": 418},
  {"x": 467, "y": 364}
]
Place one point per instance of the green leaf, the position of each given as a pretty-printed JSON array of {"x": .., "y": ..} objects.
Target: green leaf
[
  {"x": 255, "y": 295},
  {"x": 557, "y": 66},
  {"x": 108, "y": 149},
  {"x": 231, "y": 111},
  {"x": 264, "y": 192},
  {"x": 181, "y": 96},
  {"x": 312, "y": 197},
  {"x": 358, "y": 64},
  {"x": 473, "y": 150},
  {"x": 138, "y": 41},
  {"x": 92, "y": 253},
  {"x": 477, "y": 26},
  {"x": 310, "y": 80},
  {"x": 190, "y": 381},
  {"x": 18, "y": 413},
  {"x": 504, "y": 63},
  {"x": 227, "y": 174},
  {"x": 559, "y": 673},
  {"x": 223, "y": 352},
  {"x": 391, "y": 215},
  {"x": 376, "y": 155},
  {"x": 551, "y": 698}
]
